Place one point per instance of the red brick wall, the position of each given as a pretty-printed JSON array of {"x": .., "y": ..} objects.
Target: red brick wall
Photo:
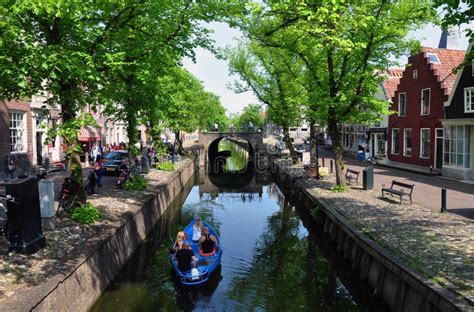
[
  {"x": 22, "y": 160},
  {"x": 413, "y": 118}
]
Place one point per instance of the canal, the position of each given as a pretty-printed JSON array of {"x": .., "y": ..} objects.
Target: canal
[{"x": 270, "y": 261}]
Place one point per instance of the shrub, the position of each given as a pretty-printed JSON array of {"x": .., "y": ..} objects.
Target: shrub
[
  {"x": 166, "y": 166},
  {"x": 341, "y": 188},
  {"x": 86, "y": 214},
  {"x": 137, "y": 183}
]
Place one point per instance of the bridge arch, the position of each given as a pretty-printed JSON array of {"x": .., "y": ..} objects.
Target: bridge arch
[{"x": 210, "y": 141}]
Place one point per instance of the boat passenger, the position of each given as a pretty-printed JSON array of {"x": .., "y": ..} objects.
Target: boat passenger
[
  {"x": 181, "y": 237},
  {"x": 208, "y": 243},
  {"x": 186, "y": 259},
  {"x": 197, "y": 230}
]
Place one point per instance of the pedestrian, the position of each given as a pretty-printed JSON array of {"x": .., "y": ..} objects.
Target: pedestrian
[
  {"x": 96, "y": 152},
  {"x": 8, "y": 167},
  {"x": 99, "y": 170}
]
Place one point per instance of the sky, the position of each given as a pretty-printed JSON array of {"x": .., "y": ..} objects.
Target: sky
[{"x": 215, "y": 75}]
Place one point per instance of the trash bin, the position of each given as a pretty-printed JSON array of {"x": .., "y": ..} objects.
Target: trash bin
[
  {"x": 24, "y": 217},
  {"x": 46, "y": 197},
  {"x": 368, "y": 178}
]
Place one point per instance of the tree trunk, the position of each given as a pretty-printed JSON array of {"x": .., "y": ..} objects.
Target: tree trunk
[
  {"x": 68, "y": 114},
  {"x": 179, "y": 141},
  {"x": 132, "y": 135},
  {"x": 313, "y": 151},
  {"x": 337, "y": 149},
  {"x": 289, "y": 144}
]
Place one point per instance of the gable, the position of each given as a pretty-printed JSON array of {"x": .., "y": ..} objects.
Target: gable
[{"x": 459, "y": 75}]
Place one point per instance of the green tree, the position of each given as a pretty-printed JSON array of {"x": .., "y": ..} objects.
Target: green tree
[
  {"x": 182, "y": 104},
  {"x": 156, "y": 40},
  {"x": 269, "y": 73},
  {"x": 250, "y": 114},
  {"x": 58, "y": 48},
  {"x": 456, "y": 13},
  {"x": 343, "y": 45}
]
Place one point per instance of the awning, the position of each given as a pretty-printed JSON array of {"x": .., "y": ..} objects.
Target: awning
[{"x": 88, "y": 134}]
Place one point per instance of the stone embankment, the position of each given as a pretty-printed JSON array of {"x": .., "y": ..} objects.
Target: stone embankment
[
  {"x": 79, "y": 261},
  {"x": 415, "y": 258}
]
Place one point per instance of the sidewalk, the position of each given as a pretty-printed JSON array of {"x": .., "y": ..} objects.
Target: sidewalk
[
  {"x": 26, "y": 278},
  {"x": 438, "y": 246},
  {"x": 427, "y": 191}
]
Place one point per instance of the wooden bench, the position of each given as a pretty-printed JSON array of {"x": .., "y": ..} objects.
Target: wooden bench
[
  {"x": 399, "y": 192},
  {"x": 352, "y": 175}
]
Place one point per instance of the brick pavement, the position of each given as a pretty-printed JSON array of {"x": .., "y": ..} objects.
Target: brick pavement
[{"x": 427, "y": 191}]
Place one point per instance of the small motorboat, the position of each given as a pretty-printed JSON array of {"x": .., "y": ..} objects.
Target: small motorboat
[{"x": 206, "y": 264}]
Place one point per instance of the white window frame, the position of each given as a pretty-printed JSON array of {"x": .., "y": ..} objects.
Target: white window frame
[
  {"x": 421, "y": 143},
  {"x": 429, "y": 101},
  {"x": 415, "y": 74},
  {"x": 452, "y": 160},
  {"x": 468, "y": 106},
  {"x": 405, "y": 96},
  {"x": 23, "y": 130},
  {"x": 405, "y": 141},
  {"x": 392, "y": 147}
]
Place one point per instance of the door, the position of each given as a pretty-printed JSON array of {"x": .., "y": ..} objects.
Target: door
[
  {"x": 439, "y": 148},
  {"x": 39, "y": 148}
]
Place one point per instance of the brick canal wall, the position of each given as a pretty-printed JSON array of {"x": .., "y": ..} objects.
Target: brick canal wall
[
  {"x": 399, "y": 286},
  {"x": 78, "y": 289}
]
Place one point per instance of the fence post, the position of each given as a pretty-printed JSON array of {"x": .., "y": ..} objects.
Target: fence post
[
  {"x": 331, "y": 166},
  {"x": 443, "y": 200},
  {"x": 324, "y": 165}
]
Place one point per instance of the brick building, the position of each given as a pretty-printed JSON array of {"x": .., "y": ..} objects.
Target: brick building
[
  {"x": 415, "y": 134},
  {"x": 16, "y": 133}
]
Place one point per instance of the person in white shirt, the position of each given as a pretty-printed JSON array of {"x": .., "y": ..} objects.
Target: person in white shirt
[{"x": 197, "y": 229}]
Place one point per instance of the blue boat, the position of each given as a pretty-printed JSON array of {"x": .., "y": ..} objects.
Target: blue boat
[{"x": 206, "y": 264}]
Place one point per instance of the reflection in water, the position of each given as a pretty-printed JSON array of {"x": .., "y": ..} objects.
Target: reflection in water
[
  {"x": 270, "y": 261},
  {"x": 237, "y": 159}
]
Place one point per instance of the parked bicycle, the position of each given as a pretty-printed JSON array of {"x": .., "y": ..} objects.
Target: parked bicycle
[
  {"x": 67, "y": 194},
  {"x": 123, "y": 177},
  {"x": 173, "y": 158},
  {"x": 4, "y": 214}
]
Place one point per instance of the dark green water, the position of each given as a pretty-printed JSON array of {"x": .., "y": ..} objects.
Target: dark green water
[
  {"x": 239, "y": 156},
  {"x": 270, "y": 261}
]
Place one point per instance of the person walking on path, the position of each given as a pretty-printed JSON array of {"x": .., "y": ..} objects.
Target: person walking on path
[
  {"x": 8, "y": 167},
  {"x": 99, "y": 170},
  {"x": 96, "y": 152}
]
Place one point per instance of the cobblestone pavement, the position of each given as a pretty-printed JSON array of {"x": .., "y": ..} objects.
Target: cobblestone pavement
[
  {"x": 440, "y": 246},
  {"x": 427, "y": 191},
  {"x": 70, "y": 240}
]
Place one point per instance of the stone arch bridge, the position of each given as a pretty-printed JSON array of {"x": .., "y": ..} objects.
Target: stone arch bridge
[{"x": 210, "y": 140}]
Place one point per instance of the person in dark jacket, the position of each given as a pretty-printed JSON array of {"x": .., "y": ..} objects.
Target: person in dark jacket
[
  {"x": 8, "y": 167},
  {"x": 185, "y": 257}
]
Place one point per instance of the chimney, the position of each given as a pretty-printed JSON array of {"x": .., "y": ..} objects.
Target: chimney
[{"x": 449, "y": 39}]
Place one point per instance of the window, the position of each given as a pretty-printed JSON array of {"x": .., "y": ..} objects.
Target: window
[
  {"x": 469, "y": 100},
  {"x": 425, "y": 143},
  {"x": 395, "y": 141},
  {"x": 402, "y": 105},
  {"x": 457, "y": 146},
  {"x": 407, "y": 142},
  {"x": 433, "y": 58},
  {"x": 17, "y": 132},
  {"x": 425, "y": 101},
  {"x": 415, "y": 74}
]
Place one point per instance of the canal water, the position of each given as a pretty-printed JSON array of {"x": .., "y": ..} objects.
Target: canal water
[{"x": 270, "y": 261}]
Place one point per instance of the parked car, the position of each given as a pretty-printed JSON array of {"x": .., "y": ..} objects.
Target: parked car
[{"x": 113, "y": 160}]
